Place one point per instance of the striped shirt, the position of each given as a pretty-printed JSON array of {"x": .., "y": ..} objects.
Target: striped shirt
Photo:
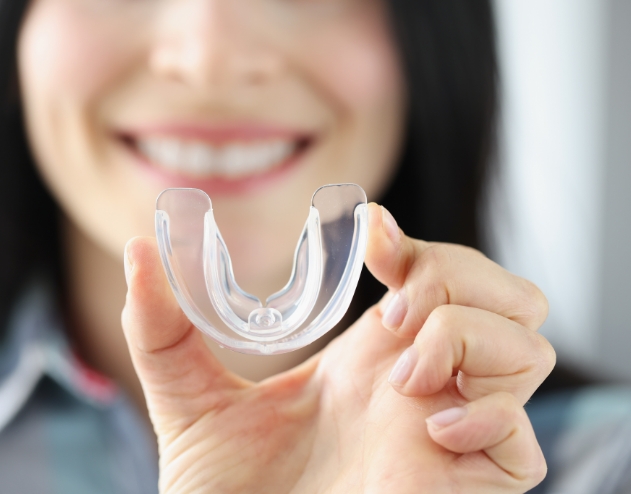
[
  {"x": 585, "y": 436},
  {"x": 65, "y": 429}
]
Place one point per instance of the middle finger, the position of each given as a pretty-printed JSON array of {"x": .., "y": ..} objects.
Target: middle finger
[{"x": 488, "y": 353}]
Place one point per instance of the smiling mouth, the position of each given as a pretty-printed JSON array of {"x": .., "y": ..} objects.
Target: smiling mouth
[{"x": 231, "y": 161}]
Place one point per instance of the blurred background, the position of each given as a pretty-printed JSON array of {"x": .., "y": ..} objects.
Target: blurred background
[{"x": 561, "y": 202}]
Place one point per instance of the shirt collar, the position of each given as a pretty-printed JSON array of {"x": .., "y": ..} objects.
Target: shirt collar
[{"x": 36, "y": 346}]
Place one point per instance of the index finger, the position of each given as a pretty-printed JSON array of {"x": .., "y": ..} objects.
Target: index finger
[{"x": 423, "y": 276}]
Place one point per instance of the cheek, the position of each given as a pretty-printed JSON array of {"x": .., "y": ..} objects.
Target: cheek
[
  {"x": 70, "y": 59},
  {"x": 359, "y": 77},
  {"x": 66, "y": 52},
  {"x": 358, "y": 65},
  {"x": 358, "y": 72}
]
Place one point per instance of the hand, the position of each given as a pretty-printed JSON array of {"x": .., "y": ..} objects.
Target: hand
[{"x": 335, "y": 424}]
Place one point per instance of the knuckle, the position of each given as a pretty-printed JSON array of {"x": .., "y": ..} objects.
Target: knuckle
[
  {"x": 508, "y": 405},
  {"x": 535, "y": 470},
  {"x": 436, "y": 260},
  {"x": 441, "y": 319},
  {"x": 532, "y": 468},
  {"x": 470, "y": 252},
  {"x": 432, "y": 272},
  {"x": 546, "y": 356},
  {"x": 541, "y": 357},
  {"x": 441, "y": 327},
  {"x": 437, "y": 253},
  {"x": 535, "y": 303},
  {"x": 540, "y": 470},
  {"x": 436, "y": 269},
  {"x": 421, "y": 301}
]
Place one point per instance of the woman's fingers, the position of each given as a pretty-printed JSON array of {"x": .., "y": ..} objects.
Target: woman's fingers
[
  {"x": 488, "y": 352},
  {"x": 496, "y": 440},
  {"x": 423, "y": 276},
  {"x": 178, "y": 372}
]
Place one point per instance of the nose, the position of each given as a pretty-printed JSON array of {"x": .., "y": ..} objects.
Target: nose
[{"x": 213, "y": 42}]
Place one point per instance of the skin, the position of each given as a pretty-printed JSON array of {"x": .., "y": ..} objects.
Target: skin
[
  {"x": 334, "y": 424},
  {"x": 91, "y": 67}
]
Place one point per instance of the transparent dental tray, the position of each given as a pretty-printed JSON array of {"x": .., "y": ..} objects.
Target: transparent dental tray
[{"x": 327, "y": 263}]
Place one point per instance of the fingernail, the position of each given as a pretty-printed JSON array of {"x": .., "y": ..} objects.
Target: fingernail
[
  {"x": 395, "y": 311},
  {"x": 385, "y": 300},
  {"x": 390, "y": 225},
  {"x": 446, "y": 417},
  {"x": 402, "y": 370},
  {"x": 129, "y": 267}
]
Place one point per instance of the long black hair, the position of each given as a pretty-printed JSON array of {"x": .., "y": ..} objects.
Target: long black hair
[{"x": 448, "y": 54}]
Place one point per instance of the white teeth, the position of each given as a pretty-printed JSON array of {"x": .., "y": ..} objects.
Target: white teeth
[
  {"x": 170, "y": 152},
  {"x": 233, "y": 160},
  {"x": 196, "y": 157}
]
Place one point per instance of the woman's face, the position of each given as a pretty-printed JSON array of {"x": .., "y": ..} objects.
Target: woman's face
[{"x": 258, "y": 102}]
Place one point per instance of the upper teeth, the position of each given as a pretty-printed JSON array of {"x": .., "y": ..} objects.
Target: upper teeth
[{"x": 232, "y": 160}]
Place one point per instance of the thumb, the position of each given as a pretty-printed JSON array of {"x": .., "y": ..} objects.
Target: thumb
[
  {"x": 179, "y": 374},
  {"x": 389, "y": 253}
]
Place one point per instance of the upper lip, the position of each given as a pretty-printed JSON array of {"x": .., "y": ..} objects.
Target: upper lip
[{"x": 215, "y": 133}]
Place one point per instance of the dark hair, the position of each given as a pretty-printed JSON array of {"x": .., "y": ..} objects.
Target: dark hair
[
  {"x": 447, "y": 49},
  {"x": 28, "y": 214},
  {"x": 448, "y": 54}
]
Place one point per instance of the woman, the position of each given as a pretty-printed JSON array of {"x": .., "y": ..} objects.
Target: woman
[{"x": 259, "y": 102}]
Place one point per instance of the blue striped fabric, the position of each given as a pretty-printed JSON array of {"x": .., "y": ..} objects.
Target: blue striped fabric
[
  {"x": 586, "y": 437},
  {"x": 66, "y": 430},
  {"x": 63, "y": 428}
]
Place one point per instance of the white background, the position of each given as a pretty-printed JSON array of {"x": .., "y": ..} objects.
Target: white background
[{"x": 560, "y": 203}]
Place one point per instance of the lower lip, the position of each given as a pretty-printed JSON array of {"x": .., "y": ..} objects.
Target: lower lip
[{"x": 218, "y": 185}]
